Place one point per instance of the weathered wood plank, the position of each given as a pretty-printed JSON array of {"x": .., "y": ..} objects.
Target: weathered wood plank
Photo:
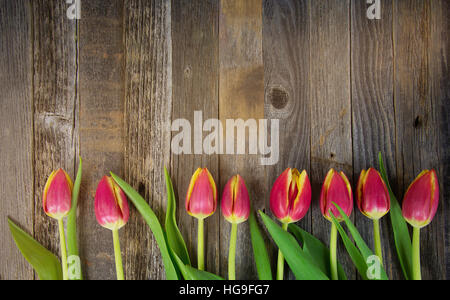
[
  {"x": 195, "y": 88},
  {"x": 148, "y": 107},
  {"x": 330, "y": 91},
  {"x": 286, "y": 48},
  {"x": 100, "y": 125},
  {"x": 55, "y": 102},
  {"x": 418, "y": 95},
  {"x": 440, "y": 93},
  {"x": 373, "y": 111},
  {"x": 241, "y": 96},
  {"x": 16, "y": 123}
]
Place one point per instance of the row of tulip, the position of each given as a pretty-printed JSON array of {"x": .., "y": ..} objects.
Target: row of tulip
[{"x": 290, "y": 200}]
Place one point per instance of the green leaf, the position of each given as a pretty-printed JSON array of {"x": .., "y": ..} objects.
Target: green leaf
[
  {"x": 362, "y": 246},
  {"x": 259, "y": 250},
  {"x": 152, "y": 222},
  {"x": 72, "y": 239},
  {"x": 190, "y": 273},
  {"x": 300, "y": 264},
  {"x": 352, "y": 250},
  {"x": 174, "y": 237},
  {"x": 318, "y": 252},
  {"x": 45, "y": 263},
  {"x": 402, "y": 238}
]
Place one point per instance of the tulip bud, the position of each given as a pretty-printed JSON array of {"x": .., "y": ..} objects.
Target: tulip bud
[
  {"x": 336, "y": 189},
  {"x": 57, "y": 199},
  {"x": 421, "y": 199},
  {"x": 372, "y": 195},
  {"x": 235, "y": 201},
  {"x": 290, "y": 196},
  {"x": 111, "y": 205},
  {"x": 201, "y": 198}
]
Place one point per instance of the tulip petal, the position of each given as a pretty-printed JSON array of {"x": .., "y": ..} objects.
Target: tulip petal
[
  {"x": 203, "y": 195},
  {"x": 57, "y": 199},
  {"x": 279, "y": 195}
]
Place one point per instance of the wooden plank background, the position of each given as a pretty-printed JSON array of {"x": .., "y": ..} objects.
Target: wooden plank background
[{"x": 108, "y": 86}]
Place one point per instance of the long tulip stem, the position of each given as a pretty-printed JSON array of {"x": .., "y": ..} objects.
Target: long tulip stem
[
  {"x": 377, "y": 240},
  {"x": 333, "y": 252},
  {"x": 62, "y": 241},
  {"x": 118, "y": 255},
  {"x": 416, "y": 254},
  {"x": 232, "y": 253},
  {"x": 201, "y": 245},
  {"x": 280, "y": 264}
]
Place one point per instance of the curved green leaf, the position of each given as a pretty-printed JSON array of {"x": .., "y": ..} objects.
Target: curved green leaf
[
  {"x": 152, "y": 222},
  {"x": 362, "y": 246},
  {"x": 352, "y": 250},
  {"x": 190, "y": 273},
  {"x": 402, "y": 238},
  {"x": 45, "y": 263},
  {"x": 72, "y": 238},
  {"x": 317, "y": 250},
  {"x": 300, "y": 264},
  {"x": 259, "y": 250},
  {"x": 174, "y": 237}
]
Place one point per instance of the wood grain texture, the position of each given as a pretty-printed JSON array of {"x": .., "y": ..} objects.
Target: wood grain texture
[
  {"x": 417, "y": 119},
  {"x": 195, "y": 80},
  {"x": 241, "y": 96},
  {"x": 55, "y": 102},
  {"x": 16, "y": 123},
  {"x": 373, "y": 111},
  {"x": 286, "y": 48},
  {"x": 440, "y": 93},
  {"x": 330, "y": 90},
  {"x": 101, "y": 125},
  {"x": 148, "y": 107}
]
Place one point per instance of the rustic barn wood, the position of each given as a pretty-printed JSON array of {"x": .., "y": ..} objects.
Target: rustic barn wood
[
  {"x": 16, "y": 121},
  {"x": 109, "y": 85}
]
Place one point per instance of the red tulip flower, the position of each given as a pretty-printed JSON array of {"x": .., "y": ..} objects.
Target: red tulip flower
[
  {"x": 374, "y": 202},
  {"x": 421, "y": 199},
  {"x": 419, "y": 208},
  {"x": 57, "y": 199},
  {"x": 290, "y": 199},
  {"x": 57, "y": 202},
  {"x": 112, "y": 212},
  {"x": 201, "y": 202},
  {"x": 236, "y": 209},
  {"x": 235, "y": 201},
  {"x": 290, "y": 196},
  {"x": 201, "y": 198},
  {"x": 336, "y": 189}
]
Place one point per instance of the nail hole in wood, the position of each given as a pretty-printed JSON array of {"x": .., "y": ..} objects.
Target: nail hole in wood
[
  {"x": 278, "y": 98},
  {"x": 417, "y": 122}
]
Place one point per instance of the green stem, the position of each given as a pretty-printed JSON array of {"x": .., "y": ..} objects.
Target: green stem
[
  {"x": 280, "y": 264},
  {"x": 377, "y": 240},
  {"x": 232, "y": 253},
  {"x": 201, "y": 245},
  {"x": 333, "y": 252},
  {"x": 118, "y": 255},
  {"x": 416, "y": 254},
  {"x": 62, "y": 241}
]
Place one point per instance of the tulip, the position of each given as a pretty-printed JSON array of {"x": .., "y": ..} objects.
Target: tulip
[
  {"x": 236, "y": 209},
  {"x": 373, "y": 201},
  {"x": 290, "y": 199},
  {"x": 112, "y": 212},
  {"x": 419, "y": 208},
  {"x": 57, "y": 201},
  {"x": 336, "y": 189},
  {"x": 290, "y": 196},
  {"x": 201, "y": 202}
]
